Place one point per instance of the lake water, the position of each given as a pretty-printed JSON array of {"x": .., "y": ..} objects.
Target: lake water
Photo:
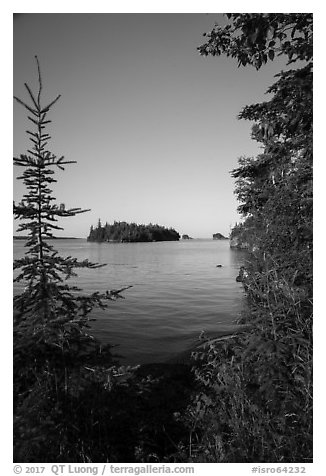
[{"x": 177, "y": 292}]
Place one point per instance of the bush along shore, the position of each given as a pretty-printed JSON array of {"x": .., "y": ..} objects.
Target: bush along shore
[{"x": 246, "y": 397}]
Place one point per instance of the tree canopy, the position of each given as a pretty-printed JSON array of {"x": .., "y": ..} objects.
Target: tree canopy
[
  {"x": 275, "y": 188},
  {"x": 255, "y": 38}
]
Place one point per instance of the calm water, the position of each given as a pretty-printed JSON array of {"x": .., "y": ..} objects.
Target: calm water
[{"x": 177, "y": 292}]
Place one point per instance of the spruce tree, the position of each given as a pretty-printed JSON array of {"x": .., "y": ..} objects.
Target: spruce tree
[
  {"x": 54, "y": 354},
  {"x": 47, "y": 299}
]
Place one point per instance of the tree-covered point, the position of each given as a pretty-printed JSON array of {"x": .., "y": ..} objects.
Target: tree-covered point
[{"x": 123, "y": 232}]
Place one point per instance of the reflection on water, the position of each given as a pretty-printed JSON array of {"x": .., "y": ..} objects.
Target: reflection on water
[{"x": 178, "y": 291}]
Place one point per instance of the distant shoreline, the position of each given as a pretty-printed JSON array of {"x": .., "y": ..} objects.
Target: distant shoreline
[
  {"x": 113, "y": 242},
  {"x": 53, "y": 238}
]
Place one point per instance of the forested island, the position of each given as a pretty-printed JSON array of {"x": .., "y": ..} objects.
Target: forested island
[{"x": 123, "y": 232}]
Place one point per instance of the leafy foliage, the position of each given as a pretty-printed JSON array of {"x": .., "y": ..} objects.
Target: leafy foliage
[{"x": 255, "y": 38}]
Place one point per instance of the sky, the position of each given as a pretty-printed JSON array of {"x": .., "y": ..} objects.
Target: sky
[{"x": 152, "y": 124}]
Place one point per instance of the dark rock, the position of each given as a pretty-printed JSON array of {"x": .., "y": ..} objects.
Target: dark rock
[{"x": 219, "y": 236}]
